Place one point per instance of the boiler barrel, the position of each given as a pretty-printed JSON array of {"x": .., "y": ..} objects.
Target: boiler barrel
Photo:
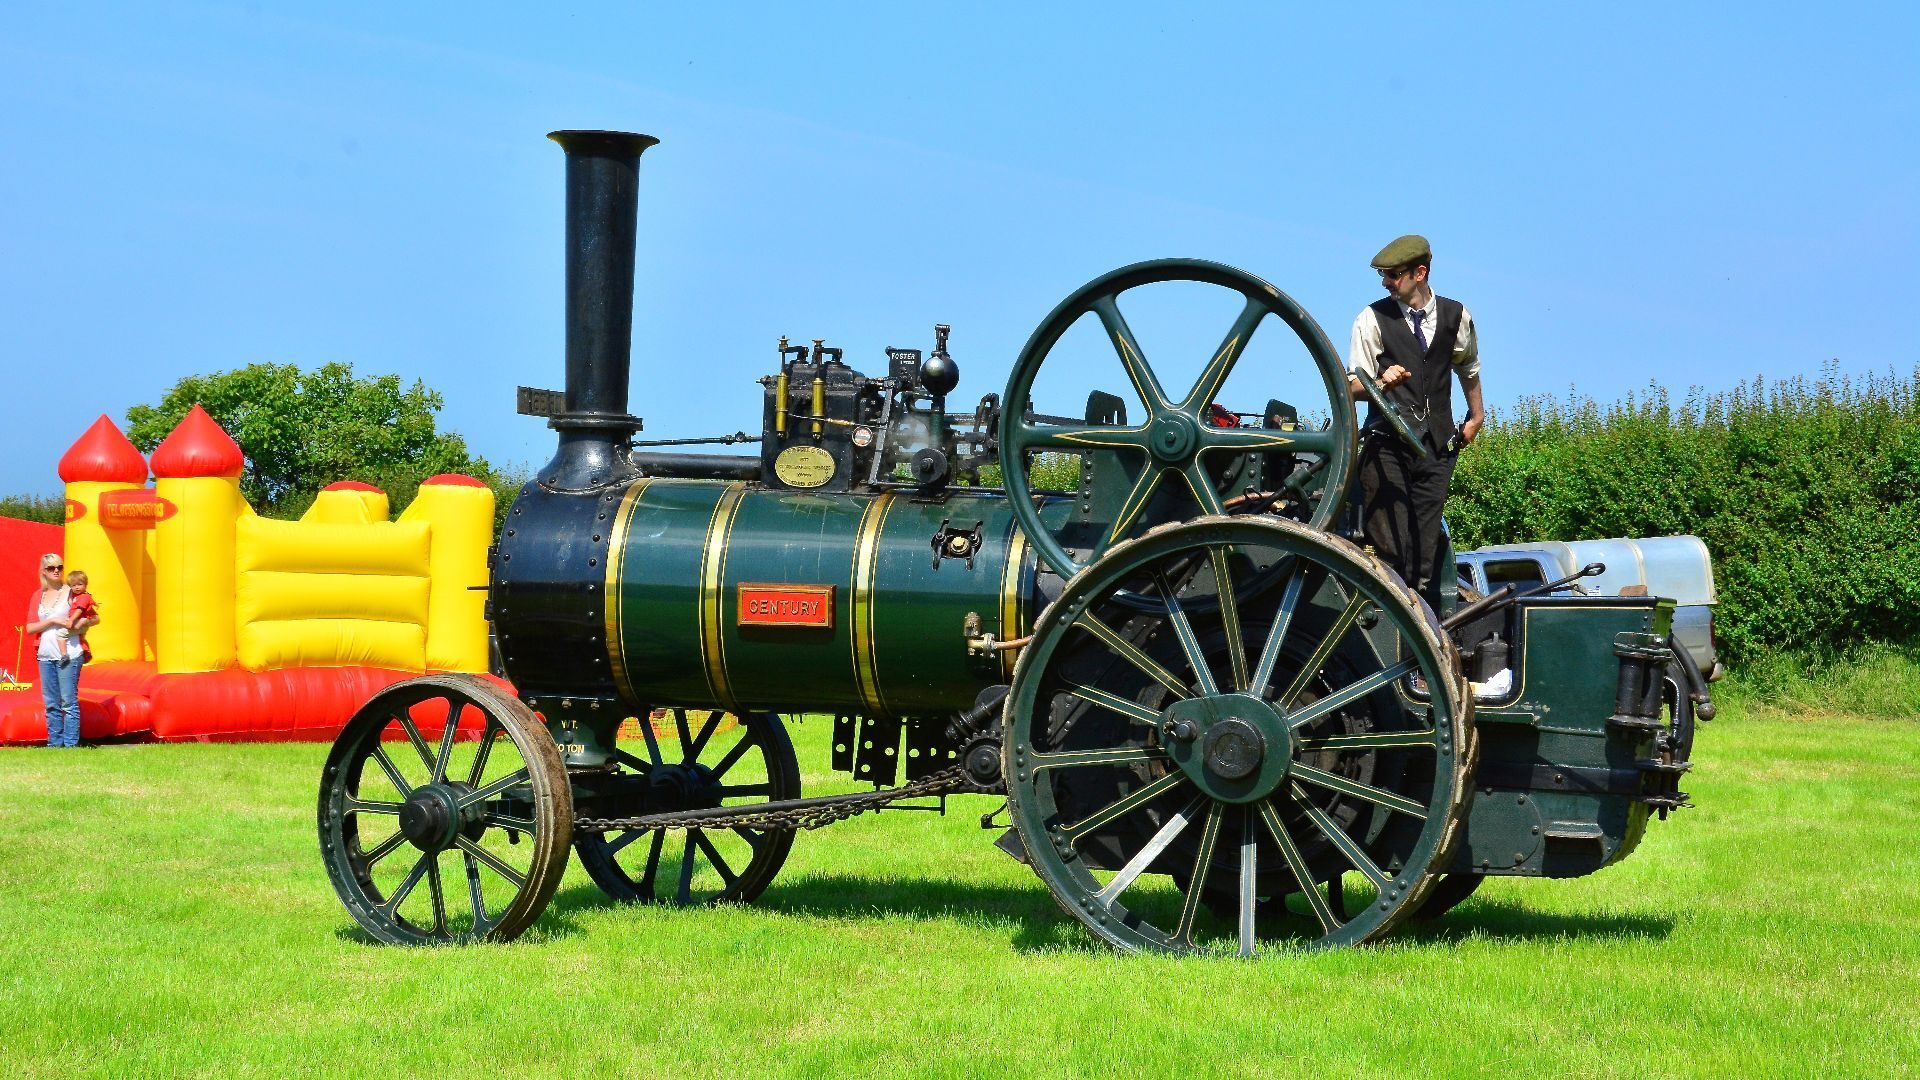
[{"x": 736, "y": 596}]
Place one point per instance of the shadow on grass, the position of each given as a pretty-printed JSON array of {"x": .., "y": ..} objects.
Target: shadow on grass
[
  {"x": 555, "y": 922},
  {"x": 1039, "y": 923},
  {"x": 1509, "y": 920}
]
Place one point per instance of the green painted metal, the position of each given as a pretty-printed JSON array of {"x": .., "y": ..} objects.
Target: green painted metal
[
  {"x": 1172, "y": 449},
  {"x": 898, "y": 643},
  {"x": 1258, "y": 630}
]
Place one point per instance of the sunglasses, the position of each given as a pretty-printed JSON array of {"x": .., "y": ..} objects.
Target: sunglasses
[
  {"x": 53, "y": 566},
  {"x": 1395, "y": 275}
]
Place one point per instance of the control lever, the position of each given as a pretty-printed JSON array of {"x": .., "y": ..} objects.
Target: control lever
[{"x": 1505, "y": 596}]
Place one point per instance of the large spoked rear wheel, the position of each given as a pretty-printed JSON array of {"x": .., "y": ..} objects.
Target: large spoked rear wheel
[
  {"x": 1188, "y": 779},
  {"x": 432, "y": 836},
  {"x": 701, "y": 759}
]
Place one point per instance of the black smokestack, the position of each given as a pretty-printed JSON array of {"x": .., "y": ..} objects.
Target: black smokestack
[{"x": 603, "y": 172}]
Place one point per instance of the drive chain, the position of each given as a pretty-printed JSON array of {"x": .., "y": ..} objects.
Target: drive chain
[{"x": 819, "y": 814}]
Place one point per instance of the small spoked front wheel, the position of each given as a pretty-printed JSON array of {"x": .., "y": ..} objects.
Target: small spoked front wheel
[
  {"x": 1208, "y": 767},
  {"x": 445, "y": 813},
  {"x": 699, "y": 760}
]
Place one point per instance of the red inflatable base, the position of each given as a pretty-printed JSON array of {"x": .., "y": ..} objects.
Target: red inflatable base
[{"x": 129, "y": 700}]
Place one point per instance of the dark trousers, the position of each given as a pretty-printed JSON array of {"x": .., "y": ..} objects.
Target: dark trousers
[{"x": 1403, "y": 498}]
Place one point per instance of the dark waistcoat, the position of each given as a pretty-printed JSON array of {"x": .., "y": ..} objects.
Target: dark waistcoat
[{"x": 1430, "y": 392}]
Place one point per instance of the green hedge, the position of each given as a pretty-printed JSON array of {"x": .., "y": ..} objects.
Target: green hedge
[{"x": 1807, "y": 492}]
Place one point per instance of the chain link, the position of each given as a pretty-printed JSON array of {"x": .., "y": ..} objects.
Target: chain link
[{"x": 795, "y": 818}]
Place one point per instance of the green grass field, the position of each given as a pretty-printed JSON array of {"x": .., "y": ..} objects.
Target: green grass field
[{"x": 163, "y": 911}]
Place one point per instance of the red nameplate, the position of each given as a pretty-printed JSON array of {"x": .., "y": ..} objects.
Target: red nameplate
[
  {"x": 133, "y": 508},
  {"x": 786, "y": 605}
]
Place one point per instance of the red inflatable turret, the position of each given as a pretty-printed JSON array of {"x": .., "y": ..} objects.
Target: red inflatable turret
[
  {"x": 198, "y": 446},
  {"x": 103, "y": 455}
]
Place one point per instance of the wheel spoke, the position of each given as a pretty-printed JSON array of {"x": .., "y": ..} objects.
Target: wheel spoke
[
  {"x": 1214, "y": 375},
  {"x": 517, "y": 824},
  {"x": 740, "y": 748},
  {"x": 1132, "y": 654},
  {"x": 1370, "y": 740},
  {"x": 493, "y": 861},
  {"x": 1131, "y": 709},
  {"x": 684, "y": 895},
  {"x": 625, "y": 838},
  {"x": 1033, "y": 436},
  {"x": 1144, "y": 858},
  {"x": 483, "y": 752},
  {"x": 1341, "y": 840},
  {"x": 680, "y": 726},
  {"x": 413, "y": 736},
  {"x": 368, "y": 806},
  {"x": 517, "y": 776},
  {"x": 1325, "y": 649},
  {"x": 475, "y": 895},
  {"x": 653, "y": 861},
  {"x": 1183, "y": 632},
  {"x": 447, "y": 733},
  {"x": 713, "y": 856},
  {"x": 1134, "y": 505},
  {"x": 393, "y": 772},
  {"x": 700, "y": 741},
  {"x": 1277, "y": 636},
  {"x": 1201, "y": 485},
  {"x": 1350, "y": 693},
  {"x": 386, "y": 847},
  {"x": 631, "y": 762},
  {"x": 1249, "y": 851},
  {"x": 1297, "y": 865},
  {"x": 1377, "y": 796},
  {"x": 653, "y": 739},
  {"x": 1197, "y": 884},
  {"x": 743, "y": 791},
  {"x": 1123, "y": 806},
  {"x": 1229, "y": 614},
  {"x": 1253, "y": 440},
  {"x": 1079, "y": 759},
  {"x": 1131, "y": 358},
  {"x": 439, "y": 895},
  {"x": 406, "y": 885}
]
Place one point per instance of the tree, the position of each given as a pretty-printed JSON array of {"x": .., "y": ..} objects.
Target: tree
[{"x": 304, "y": 430}]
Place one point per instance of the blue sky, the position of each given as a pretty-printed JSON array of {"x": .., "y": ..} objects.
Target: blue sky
[{"x": 1622, "y": 194}]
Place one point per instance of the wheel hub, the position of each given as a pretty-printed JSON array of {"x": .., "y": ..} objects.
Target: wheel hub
[
  {"x": 1172, "y": 438},
  {"x": 1234, "y": 747},
  {"x": 429, "y": 819}
]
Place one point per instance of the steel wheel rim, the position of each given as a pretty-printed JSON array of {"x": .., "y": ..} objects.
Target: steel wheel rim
[
  {"x": 478, "y": 884},
  {"x": 1401, "y": 860},
  {"x": 744, "y": 861}
]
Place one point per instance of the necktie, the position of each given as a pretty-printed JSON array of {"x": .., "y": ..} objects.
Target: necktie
[{"x": 1419, "y": 334}]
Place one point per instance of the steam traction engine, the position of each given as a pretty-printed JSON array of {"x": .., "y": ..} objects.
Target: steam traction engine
[{"x": 1217, "y": 723}]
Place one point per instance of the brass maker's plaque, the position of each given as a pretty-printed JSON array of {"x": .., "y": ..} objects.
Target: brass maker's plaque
[
  {"x": 786, "y": 605},
  {"x": 803, "y": 466}
]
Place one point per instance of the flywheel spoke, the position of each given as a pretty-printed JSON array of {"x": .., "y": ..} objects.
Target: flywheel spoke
[
  {"x": 1201, "y": 485},
  {"x": 1145, "y": 383},
  {"x": 1134, "y": 504},
  {"x": 1214, "y": 375}
]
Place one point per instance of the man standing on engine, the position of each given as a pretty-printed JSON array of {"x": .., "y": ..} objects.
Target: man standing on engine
[{"x": 1414, "y": 344}]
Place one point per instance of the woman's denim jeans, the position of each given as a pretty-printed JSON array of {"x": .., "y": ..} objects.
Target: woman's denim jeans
[{"x": 60, "y": 690}]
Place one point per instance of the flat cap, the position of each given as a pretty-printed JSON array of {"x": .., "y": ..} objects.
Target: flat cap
[{"x": 1408, "y": 250}]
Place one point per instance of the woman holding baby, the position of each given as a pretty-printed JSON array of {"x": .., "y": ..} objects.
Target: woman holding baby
[{"x": 61, "y": 612}]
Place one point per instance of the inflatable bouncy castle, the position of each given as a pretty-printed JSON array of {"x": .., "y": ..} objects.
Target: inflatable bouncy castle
[{"x": 217, "y": 623}]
